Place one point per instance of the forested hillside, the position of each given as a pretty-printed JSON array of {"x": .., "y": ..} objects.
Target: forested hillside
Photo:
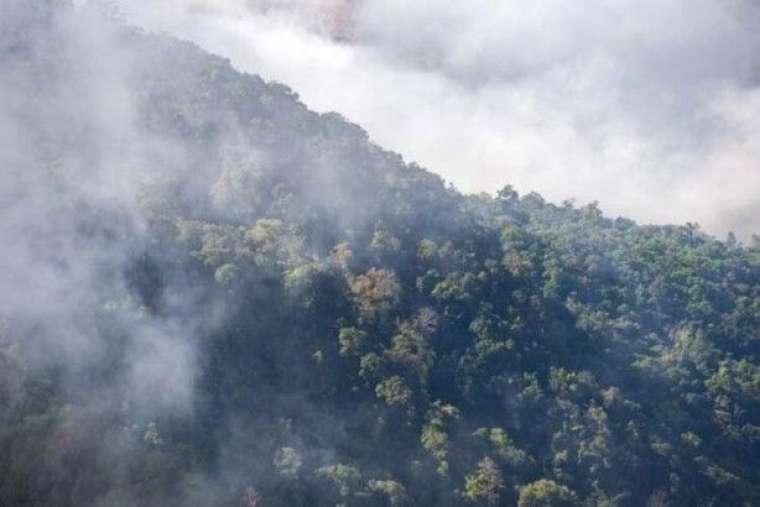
[{"x": 214, "y": 296}]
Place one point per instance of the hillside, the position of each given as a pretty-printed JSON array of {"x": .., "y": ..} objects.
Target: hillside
[{"x": 214, "y": 296}]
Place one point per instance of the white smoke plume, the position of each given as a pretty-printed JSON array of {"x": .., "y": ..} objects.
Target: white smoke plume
[{"x": 648, "y": 107}]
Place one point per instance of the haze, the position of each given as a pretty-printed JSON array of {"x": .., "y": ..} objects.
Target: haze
[{"x": 648, "y": 107}]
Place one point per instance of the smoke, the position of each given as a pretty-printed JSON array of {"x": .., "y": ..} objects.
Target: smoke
[
  {"x": 651, "y": 113},
  {"x": 94, "y": 145},
  {"x": 72, "y": 163},
  {"x": 647, "y": 107}
]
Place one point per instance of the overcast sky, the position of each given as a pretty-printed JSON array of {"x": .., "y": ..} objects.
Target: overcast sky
[{"x": 650, "y": 107}]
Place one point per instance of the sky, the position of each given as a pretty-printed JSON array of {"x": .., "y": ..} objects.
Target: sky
[{"x": 649, "y": 107}]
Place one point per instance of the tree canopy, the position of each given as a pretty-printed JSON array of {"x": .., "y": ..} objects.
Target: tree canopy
[{"x": 366, "y": 335}]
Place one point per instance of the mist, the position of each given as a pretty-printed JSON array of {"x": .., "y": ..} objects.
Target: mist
[{"x": 648, "y": 107}]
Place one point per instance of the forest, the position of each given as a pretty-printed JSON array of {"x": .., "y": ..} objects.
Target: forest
[{"x": 212, "y": 295}]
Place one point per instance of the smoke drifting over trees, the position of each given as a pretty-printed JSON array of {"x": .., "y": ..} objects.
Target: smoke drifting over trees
[
  {"x": 211, "y": 295},
  {"x": 648, "y": 107}
]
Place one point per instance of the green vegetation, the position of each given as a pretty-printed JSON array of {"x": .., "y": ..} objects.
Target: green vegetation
[{"x": 372, "y": 337}]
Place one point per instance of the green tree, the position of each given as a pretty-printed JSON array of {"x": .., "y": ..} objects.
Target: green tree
[
  {"x": 546, "y": 493},
  {"x": 485, "y": 484}
]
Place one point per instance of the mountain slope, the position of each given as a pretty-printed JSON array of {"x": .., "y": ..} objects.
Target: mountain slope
[{"x": 215, "y": 296}]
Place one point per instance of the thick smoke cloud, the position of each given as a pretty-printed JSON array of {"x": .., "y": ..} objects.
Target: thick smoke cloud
[
  {"x": 647, "y": 107},
  {"x": 72, "y": 163}
]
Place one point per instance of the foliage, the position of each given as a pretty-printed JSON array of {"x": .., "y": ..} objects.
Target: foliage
[
  {"x": 545, "y": 493},
  {"x": 366, "y": 335}
]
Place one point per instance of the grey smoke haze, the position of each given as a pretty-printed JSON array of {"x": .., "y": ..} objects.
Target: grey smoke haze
[
  {"x": 648, "y": 107},
  {"x": 176, "y": 261},
  {"x": 70, "y": 159}
]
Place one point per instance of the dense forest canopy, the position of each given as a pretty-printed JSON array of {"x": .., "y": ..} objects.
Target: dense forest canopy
[{"x": 214, "y": 296}]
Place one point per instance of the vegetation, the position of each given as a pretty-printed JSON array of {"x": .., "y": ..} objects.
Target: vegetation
[{"x": 370, "y": 336}]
